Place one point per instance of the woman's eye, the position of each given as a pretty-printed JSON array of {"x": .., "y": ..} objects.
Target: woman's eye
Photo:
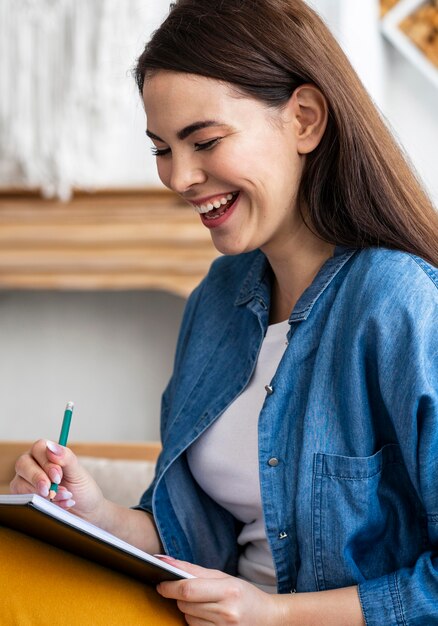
[
  {"x": 207, "y": 145},
  {"x": 160, "y": 151}
]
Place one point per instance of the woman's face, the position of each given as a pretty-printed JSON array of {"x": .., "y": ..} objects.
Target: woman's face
[{"x": 234, "y": 160}]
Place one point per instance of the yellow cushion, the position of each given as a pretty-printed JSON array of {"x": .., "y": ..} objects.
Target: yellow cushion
[{"x": 42, "y": 585}]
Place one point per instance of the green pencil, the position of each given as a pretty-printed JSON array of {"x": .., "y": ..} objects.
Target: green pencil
[{"x": 63, "y": 437}]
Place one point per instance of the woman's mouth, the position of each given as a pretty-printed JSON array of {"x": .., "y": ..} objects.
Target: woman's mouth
[{"x": 211, "y": 212}]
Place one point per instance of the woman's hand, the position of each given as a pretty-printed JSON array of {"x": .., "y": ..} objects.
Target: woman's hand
[
  {"x": 48, "y": 462},
  {"x": 217, "y": 598},
  {"x": 214, "y": 598}
]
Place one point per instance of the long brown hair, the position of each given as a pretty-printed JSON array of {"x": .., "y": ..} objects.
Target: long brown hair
[{"x": 357, "y": 187}]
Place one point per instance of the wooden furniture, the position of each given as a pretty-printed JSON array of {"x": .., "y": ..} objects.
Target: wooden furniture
[{"x": 107, "y": 240}]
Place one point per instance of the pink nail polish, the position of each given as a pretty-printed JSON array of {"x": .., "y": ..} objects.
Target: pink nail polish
[
  {"x": 54, "y": 447},
  {"x": 43, "y": 489},
  {"x": 64, "y": 494},
  {"x": 54, "y": 476},
  {"x": 164, "y": 557}
]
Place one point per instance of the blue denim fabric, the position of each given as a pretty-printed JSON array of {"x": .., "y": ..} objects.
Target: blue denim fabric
[{"x": 353, "y": 420}]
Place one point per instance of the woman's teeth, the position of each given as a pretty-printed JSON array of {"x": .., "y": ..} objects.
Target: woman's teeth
[{"x": 217, "y": 204}]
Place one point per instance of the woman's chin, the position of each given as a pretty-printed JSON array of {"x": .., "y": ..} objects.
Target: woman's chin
[{"x": 226, "y": 246}]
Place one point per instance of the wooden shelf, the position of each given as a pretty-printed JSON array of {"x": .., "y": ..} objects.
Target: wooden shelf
[{"x": 102, "y": 241}]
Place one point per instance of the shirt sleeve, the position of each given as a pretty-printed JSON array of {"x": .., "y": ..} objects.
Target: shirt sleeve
[
  {"x": 146, "y": 501},
  {"x": 407, "y": 362}
]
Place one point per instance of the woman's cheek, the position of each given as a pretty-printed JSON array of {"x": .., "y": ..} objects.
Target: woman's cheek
[{"x": 163, "y": 171}]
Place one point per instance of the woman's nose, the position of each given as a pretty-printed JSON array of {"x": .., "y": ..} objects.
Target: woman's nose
[{"x": 184, "y": 174}]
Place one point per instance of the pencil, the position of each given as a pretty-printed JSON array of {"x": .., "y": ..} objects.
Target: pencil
[{"x": 63, "y": 437}]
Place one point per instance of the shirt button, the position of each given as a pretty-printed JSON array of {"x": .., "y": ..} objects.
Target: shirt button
[
  {"x": 269, "y": 389},
  {"x": 273, "y": 462},
  {"x": 282, "y": 535}
]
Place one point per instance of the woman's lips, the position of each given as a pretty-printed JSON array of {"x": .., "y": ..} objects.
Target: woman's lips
[
  {"x": 217, "y": 217},
  {"x": 213, "y": 202}
]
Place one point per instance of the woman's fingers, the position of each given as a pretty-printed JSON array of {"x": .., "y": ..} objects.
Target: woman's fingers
[
  {"x": 208, "y": 586},
  {"x": 191, "y": 568},
  {"x": 194, "y": 590},
  {"x": 62, "y": 495},
  {"x": 42, "y": 465},
  {"x": 19, "y": 485},
  {"x": 48, "y": 462},
  {"x": 64, "y": 498},
  {"x": 31, "y": 473}
]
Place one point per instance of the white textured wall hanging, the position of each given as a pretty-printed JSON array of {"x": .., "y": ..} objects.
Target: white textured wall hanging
[{"x": 66, "y": 91}]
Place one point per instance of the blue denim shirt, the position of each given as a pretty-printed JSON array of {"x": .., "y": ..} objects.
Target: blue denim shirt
[{"x": 352, "y": 419}]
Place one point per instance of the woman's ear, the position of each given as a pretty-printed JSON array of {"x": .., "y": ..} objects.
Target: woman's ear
[{"x": 310, "y": 111}]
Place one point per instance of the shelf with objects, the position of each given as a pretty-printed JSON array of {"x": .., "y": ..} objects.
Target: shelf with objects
[{"x": 412, "y": 27}]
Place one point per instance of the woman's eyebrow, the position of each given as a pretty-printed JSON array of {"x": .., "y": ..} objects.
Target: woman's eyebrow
[{"x": 188, "y": 130}]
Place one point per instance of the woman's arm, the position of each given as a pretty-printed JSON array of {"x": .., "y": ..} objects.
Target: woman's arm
[
  {"x": 337, "y": 607},
  {"x": 132, "y": 525}
]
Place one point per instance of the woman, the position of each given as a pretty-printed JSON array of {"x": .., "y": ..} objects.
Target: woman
[{"x": 300, "y": 426}]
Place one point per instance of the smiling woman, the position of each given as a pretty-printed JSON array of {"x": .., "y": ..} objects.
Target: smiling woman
[
  {"x": 221, "y": 166},
  {"x": 297, "y": 478}
]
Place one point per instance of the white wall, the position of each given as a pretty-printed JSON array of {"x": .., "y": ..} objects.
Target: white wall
[{"x": 111, "y": 353}]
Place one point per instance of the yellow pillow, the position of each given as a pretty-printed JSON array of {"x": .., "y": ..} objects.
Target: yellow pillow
[{"x": 42, "y": 585}]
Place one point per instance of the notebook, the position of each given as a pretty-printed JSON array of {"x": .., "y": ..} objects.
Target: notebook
[{"x": 39, "y": 518}]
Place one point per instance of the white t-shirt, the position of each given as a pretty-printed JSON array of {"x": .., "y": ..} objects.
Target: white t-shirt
[{"x": 224, "y": 462}]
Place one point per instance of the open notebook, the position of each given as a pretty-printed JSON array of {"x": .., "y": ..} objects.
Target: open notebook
[{"x": 33, "y": 515}]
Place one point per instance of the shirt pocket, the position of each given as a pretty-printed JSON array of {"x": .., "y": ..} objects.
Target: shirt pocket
[{"x": 367, "y": 520}]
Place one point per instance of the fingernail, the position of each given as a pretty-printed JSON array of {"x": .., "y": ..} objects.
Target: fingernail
[
  {"x": 70, "y": 503},
  {"x": 164, "y": 556},
  {"x": 43, "y": 489},
  {"x": 64, "y": 494},
  {"x": 54, "y": 476},
  {"x": 54, "y": 447}
]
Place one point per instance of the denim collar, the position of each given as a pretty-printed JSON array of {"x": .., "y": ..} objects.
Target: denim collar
[{"x": 257, "y": 282}]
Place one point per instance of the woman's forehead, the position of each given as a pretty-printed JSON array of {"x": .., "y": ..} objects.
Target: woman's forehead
[
  {"x": 178, "y": 98},
  {"x": 170, "y": 86}
]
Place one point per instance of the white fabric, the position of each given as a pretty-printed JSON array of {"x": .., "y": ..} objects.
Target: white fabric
[
  {"x": 224, "y": 461},
  {"x": 121, "y": 480},
  {"x": 67, "y": 96}
]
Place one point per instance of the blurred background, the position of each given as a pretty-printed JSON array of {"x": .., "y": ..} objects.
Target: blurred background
[{"x": 96, "y": 259}]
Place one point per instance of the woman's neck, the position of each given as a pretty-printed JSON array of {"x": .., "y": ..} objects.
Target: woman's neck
[{"x": 294, "y": 267}]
